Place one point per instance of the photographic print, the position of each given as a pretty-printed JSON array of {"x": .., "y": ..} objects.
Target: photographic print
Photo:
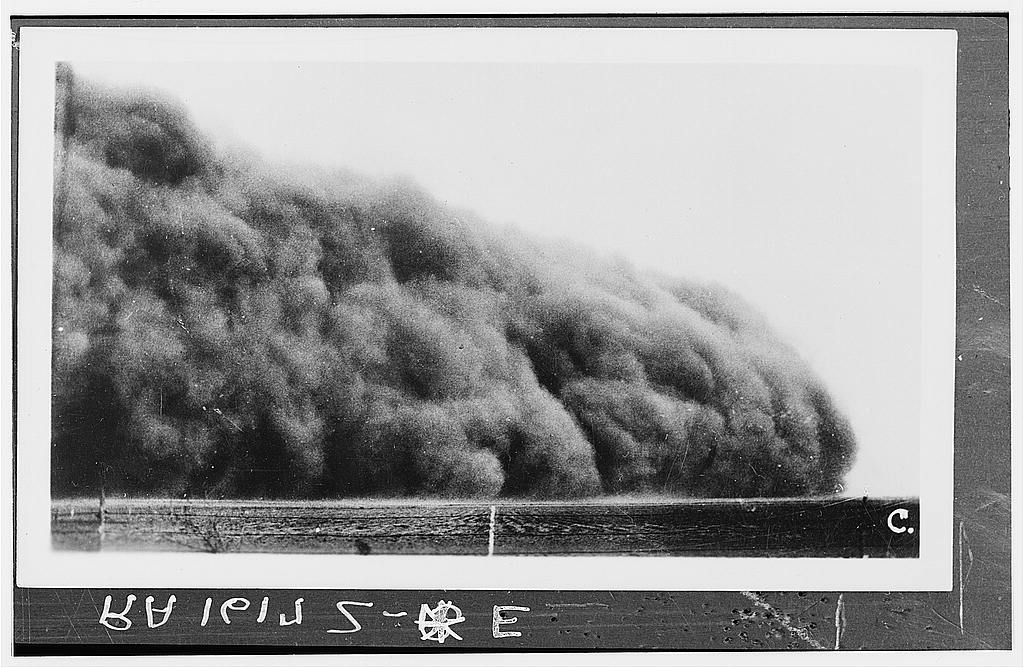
[
  {"x": 446, "y": 293},
  {"x": 566, "y": 308},
  {"x": 511, "y": 333}
]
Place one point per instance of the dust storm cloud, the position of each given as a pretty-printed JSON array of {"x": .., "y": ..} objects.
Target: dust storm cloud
[{"x": 225, "y": 328}]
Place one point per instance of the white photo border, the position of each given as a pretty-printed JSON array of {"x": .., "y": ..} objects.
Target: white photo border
[{"x": 932, "y": 53}]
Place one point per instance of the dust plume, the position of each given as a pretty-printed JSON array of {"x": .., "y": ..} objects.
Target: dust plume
[{"x": 226, "y": 329}]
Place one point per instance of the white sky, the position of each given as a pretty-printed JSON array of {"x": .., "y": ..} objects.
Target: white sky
[{"x": 799, "y": 186}]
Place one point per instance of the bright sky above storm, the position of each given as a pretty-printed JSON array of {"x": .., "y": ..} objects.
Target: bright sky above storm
[{"x": 798, "y": 186}]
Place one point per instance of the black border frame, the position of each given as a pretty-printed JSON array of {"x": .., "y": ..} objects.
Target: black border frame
[{"x": 981, "y": 437}]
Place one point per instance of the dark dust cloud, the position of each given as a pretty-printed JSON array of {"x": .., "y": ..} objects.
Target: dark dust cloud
[{"x": 225, "y": 329}]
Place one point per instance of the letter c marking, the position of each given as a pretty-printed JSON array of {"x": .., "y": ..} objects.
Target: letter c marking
[{"x": 903, "y": 514}]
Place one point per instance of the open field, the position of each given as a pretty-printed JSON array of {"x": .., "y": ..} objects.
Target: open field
[{"x": 831, "y": 527}]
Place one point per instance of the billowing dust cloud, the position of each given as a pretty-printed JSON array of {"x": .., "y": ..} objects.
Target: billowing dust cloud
[{"x": 224, "y": 329}]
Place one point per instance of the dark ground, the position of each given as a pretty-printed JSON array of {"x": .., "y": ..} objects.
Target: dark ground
[{"x": 751, "y": 528}]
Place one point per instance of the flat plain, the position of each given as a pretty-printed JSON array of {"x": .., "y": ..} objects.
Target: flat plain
[{"x": 819, "y": 527}]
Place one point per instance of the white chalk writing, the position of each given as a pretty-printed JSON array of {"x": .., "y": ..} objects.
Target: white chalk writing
[
  {"x": 435, "y": 624},
  {"x": 298, "y": 614},
  {"x": 236, "y": 603},
  {"x": 348, "y": 615},
  {"x": 166, "y": 610},
  {"x": 497, "y": 620},
  {"x": 123, "y": 615}
]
